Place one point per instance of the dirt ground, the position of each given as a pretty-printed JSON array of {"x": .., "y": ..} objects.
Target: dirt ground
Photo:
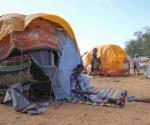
[{"x": 134, "y": 113}]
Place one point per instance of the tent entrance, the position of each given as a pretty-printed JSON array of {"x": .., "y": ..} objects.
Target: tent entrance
[{"x": 38, "y": 85}]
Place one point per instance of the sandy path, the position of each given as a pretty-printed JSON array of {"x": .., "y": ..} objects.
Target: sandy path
[{"x": 76, "y": 114}]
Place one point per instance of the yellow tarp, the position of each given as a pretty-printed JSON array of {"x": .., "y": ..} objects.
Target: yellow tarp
[{"x": 111, "y": 56}]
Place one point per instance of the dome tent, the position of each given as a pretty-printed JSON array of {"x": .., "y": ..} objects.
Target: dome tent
[
  {"x": 43, "y": 39},
  {"x": 11, "y": 23},
  {"x": 111, "y": 57}
]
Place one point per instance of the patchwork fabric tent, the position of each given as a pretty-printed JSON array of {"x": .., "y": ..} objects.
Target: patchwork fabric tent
[
  {"x": 112, "y": 59},
  {"x": 42, "y": 39}
]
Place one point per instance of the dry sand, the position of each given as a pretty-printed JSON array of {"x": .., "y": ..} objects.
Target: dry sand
[{"x": 134, "y": 113}]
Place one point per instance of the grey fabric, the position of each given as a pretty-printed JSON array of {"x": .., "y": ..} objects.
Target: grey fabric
[
  {"x": 43, "y": 59},
  {"x": 20, "y": 103},
  {"x": 15, "y": 93}
]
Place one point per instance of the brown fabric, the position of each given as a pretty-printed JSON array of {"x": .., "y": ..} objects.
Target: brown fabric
[
  {"x": 10, "y": 23},
  {"x": 39, "y": 33},
  {"x": 6, "y": 46}
]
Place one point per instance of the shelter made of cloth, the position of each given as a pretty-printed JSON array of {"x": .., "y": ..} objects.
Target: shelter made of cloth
[
  {"x": 39, "y": 35},
  {"x": 111, "y": 57},
  {"x": 23, "y": 32}
]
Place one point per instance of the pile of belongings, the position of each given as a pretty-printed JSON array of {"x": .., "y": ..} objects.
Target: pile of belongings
[
  {"x": 12, "y": 70},
  {"x": 15, "y": 95}
]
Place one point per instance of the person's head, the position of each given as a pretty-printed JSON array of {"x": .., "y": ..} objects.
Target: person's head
[
  {"x": 95, "y": 50},
  {"x": 136, "y": 56},
  {"x": 79, "y": 68}
]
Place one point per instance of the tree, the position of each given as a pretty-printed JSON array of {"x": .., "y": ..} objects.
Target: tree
[{"x": 140, "y": 45}]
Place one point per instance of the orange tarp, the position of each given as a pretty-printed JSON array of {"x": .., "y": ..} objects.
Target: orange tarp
[{"x": 111, "y": 56}]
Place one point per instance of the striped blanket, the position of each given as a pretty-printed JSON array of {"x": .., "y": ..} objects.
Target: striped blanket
[{"x": 107, "y": 93}]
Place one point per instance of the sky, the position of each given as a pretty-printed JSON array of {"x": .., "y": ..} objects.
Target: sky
[{"x": 94, "y": 22}]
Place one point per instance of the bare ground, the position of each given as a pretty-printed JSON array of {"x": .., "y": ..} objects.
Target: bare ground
[{"x": 134, "y": 113}]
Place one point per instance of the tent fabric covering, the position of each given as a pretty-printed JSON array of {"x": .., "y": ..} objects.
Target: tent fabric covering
[
  {"x": 60, "y": 76},
  {"x": 111, "y": 57},
  {"x": 68, "y": 61},
  {"x": 24, "y": 36},
  {"x": 11, "y": 23},
  {"x": 39, "y": 33},
  {"x": 11, "y": 67}
]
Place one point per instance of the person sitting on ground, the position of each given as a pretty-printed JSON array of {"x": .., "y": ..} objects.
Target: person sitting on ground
[
  {"x": 80, "y": 91},
  {"x": 78, "y": 87},
  {"x": 136, "y": 64}
]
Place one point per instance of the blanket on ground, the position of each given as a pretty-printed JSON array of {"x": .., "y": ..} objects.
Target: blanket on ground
[{"x": 104, "y": 95}]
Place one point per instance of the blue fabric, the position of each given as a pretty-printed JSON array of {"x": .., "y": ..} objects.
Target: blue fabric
[
  {"x": 70, "y": 58},
  {"x": 61, "y": 39},
  {"x": 42, "y": 57},
  {"x": 45, "y": 60},
  {"x": 131, "y": 98},
  {"x": 77, "y": 82},
  {"x": 60, "y": 76}
]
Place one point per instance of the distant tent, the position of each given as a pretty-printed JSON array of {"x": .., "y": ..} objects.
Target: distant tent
[
  {"x": 112, "y": 59},
  {"x": 38, "y": 44}
]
